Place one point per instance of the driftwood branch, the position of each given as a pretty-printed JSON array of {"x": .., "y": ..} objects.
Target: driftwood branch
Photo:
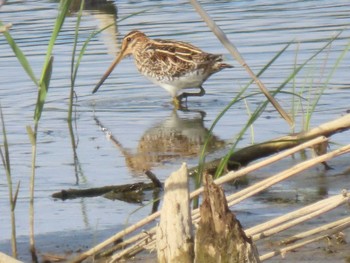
[
  {"x": 97, "y": 191},
  {"x": 127, "y": 192}
]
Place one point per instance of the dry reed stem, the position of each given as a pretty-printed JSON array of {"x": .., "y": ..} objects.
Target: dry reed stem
[
  {"x": 327, "y": 207},
  {"x": 301, "y": 215},
  {"x": 327, "y": 128},
  {"x": 236, "y": 174},
  {"x": 264, "y": 184},
  {"x": 148, "y": 243},
  {"x": 315, "y": 231},
  {"x": 235, "y": 198},
  {"x": 283, "y": 251},
  {"x": 115, "y": 237},
  {"x": 229, "y": 177},
  {"x": 235, "y": 53},
  {"x": 8, "y": 259},
  {"x": 145, "y": 236},
  {"x": 290, "y": 216},
  {"x": 134, "y": 249},
  {"x": 233, "y": 175}
]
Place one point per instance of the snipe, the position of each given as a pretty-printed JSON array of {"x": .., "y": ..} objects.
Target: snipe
[{"x": 173, "y": 65}]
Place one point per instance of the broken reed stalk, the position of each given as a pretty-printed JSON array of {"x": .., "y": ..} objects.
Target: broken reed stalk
[
  {"x": 245, "y": 193},
  {"x": 229, "y": 177},
  {"x": 235, "y": 53},
  {"x": 115, "y": 237},
  {"x": 258, "y": 187},
  {"x": 135, "y": 240},
  {"x": 327, "y": 206},
  {"x": 137, "y": 247},
  {"x": 244, "y": 156},
  {"x": 236, "y": 174},
  {"x": 235, "y": 198},
  {"x": 328, "y": 233},
  {"x": 292, "y": 215},
  {"x": 327, "y": 129},
  {"x": 299, "y": 215},
  {"x": 5, "y": 28},
  {"x": 315, "y": 231},
  {"x": 140, "y": 241},
  {"x": 264, "y": 184}
]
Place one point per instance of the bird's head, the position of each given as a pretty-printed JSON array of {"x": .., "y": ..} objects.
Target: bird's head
[{"x": 131, "y": 43}]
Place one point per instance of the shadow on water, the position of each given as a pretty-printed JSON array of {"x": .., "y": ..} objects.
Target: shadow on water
[{"x": 179, "y": 136}]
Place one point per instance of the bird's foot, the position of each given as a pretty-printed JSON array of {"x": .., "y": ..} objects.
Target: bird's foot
[{"x": 187, "y": 94}]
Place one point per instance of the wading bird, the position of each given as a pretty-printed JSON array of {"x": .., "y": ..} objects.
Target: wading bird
[{"x": 173, "y": 65}]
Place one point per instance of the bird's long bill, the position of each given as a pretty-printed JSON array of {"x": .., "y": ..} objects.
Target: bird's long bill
[{"x": 108, "y": 72}]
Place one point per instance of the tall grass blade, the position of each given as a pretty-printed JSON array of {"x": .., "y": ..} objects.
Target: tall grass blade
[
  {"x": 261, "y": 108},
  {"x": 64, "y": 8},
  {"x": 43, "y": 86},
  {"x": 329, "y": 77},
  {"x": 20, "y": 56},
  {"x": 31, "y": 135},
  {"x": 74, "y": 68},
  {"x": 7, "y": 165},
  {"x": 16, "y": 195},
  {"x": 223, "y": 112},
  {"x": 42, "y": 92}
]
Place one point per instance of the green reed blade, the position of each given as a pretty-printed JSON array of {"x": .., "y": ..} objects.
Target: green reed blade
[
  {"x": 20, "y": 56},
  {"x": 16, "y": 195},
  {"x": 64, "y": 8},
  {"x": 76, "y": 34},
  {"x": 12, "y": 199},
  {"x": 6, "y": 159},
  {"x": 262, "y": 107},
  {"x": 31, "y": 136},
  {"x": 43, "y": 89},
  {"x": 329, "y": 77},
  {"x": 222, "y": 113},
  {"x": 297, "y": 70}
]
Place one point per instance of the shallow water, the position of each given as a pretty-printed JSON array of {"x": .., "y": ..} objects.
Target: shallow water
[{"x": 139, "y": 115}]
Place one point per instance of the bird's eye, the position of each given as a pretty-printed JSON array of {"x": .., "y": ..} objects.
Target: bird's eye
[{"x": 128, "y": 39}]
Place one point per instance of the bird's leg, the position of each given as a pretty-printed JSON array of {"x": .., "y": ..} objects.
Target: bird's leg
[
  {"x": 186, "y": 94},
  {"x": 178, "y": 104}
]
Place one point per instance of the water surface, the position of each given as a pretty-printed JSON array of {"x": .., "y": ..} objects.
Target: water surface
[{"x": 139, "y": 114}]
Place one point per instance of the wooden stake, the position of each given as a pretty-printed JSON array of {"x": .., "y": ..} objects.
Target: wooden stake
[{"x": 174, "y": 233}]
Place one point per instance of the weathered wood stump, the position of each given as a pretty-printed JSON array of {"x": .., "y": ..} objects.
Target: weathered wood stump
[
  {"x": 174, "y": 233},
  {"x": 220, "y": 237}
]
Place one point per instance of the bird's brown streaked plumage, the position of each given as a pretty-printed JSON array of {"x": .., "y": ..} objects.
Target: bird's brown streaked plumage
[{"x": 173, "y": 65}]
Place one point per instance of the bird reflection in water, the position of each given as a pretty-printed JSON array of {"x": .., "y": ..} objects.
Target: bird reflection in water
[
  {"x": 105, "y": 13},
  {"x": 174, "y": 138}
]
